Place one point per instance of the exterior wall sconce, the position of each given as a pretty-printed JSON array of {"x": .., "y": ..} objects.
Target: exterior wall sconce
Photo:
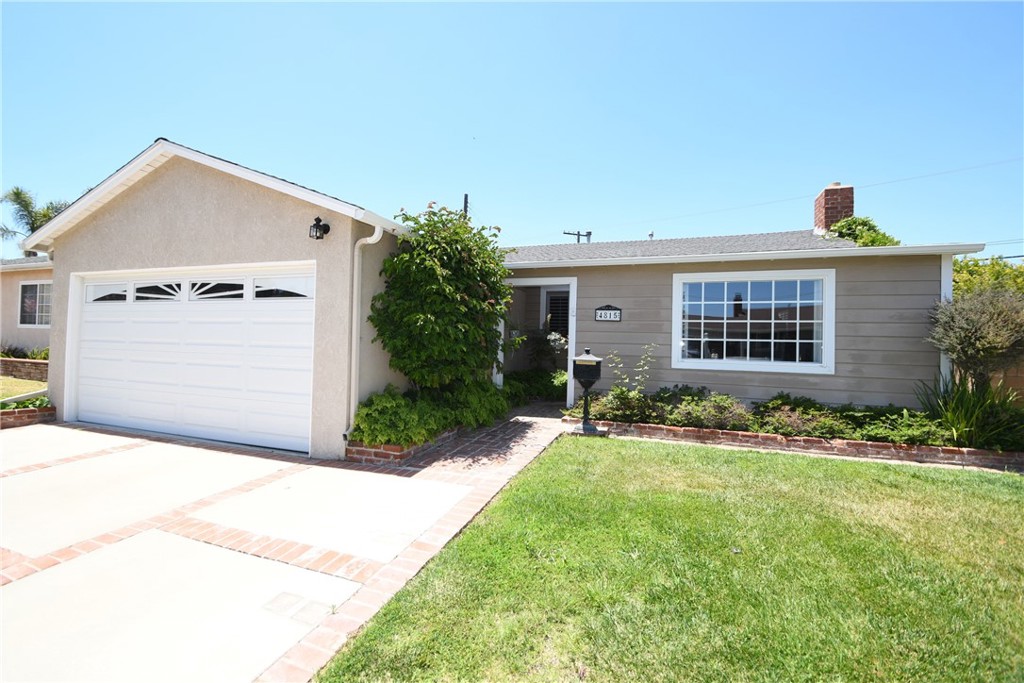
[{"x": 318, "y": 229}]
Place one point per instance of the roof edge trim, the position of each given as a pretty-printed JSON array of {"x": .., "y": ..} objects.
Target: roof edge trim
[{"x": 909, "y": 250}]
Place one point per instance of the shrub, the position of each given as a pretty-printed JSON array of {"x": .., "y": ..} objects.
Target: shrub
[
  {"x": 975, "y": 415},
  {"x": 473, "y": 404},
  {"x": 800, "y": 416},
  {"x": 981, "y": 331},
  {"x": 716, "y": 411},
  {"x": 906, "y": 426},
  {"x": 525, "y": 385},
  {"x": 393, "y": 418},
  {"x": 444, "y": 297},
  {"x": 10, "y": 351},
  {"x": 39, "y": 354},
  {"x": 37, "y": 402}
]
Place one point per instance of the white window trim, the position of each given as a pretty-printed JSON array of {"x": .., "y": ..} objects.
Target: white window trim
[
  {"x": 35, "y": 326},
  {"x": 828, "y": 350}
]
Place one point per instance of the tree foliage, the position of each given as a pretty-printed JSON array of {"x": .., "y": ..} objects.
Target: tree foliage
[
  {"x": 974, "y": 274},
  {"x": 27, "y": 215},
  {"x": 863, "y": 231},
  {"x": 981, "y": 332},
  {"x": 444, "y": 298}
]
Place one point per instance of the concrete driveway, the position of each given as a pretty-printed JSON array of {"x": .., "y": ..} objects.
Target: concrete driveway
[{"x": 130, "y": 557}]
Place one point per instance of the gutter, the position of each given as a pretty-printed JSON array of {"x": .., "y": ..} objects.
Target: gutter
[
  {"x": 354, "y": 324},
  {"x": 922, "y": 250}
]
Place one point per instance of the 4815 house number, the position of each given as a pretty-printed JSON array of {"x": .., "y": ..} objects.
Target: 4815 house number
[{"x": 608, "y": 314}]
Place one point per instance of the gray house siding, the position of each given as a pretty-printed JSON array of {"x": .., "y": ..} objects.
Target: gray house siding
[{"x": 881, "y": 319}]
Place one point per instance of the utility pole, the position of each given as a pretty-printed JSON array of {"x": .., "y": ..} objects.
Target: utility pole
[
  {"x": 465, "y": 205},
  {"x": 579, "y": 235}
]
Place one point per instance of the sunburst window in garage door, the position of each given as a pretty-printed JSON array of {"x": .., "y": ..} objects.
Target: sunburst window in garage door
[
  {"x": 201, "y": 290},
  {"x": 165, "y": 291}
]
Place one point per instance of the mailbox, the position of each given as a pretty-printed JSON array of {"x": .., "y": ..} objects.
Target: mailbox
[{"x": 586, "y": 369}]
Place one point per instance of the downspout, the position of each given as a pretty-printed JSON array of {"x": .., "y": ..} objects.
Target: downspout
[{"x": 356, "y": 322}]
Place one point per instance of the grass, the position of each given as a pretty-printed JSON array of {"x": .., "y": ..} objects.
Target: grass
[
  {"x": 616, "y": 560},
  {"x": 10, "y": 386}
]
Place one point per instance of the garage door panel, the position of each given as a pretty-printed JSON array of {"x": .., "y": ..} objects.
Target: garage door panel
[{"x": 238, "y": 370}]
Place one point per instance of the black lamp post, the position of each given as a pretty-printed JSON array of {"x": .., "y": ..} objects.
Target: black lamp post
[
  {"x": 318, "y": 229},
  {"x": 587, "y": 370}
]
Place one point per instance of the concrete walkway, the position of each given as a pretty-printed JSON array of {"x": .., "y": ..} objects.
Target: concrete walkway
[{"x": 129, "y": 556}]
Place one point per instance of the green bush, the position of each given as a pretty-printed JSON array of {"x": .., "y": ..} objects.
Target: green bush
[
  {"x": 471, "y": 405},
  {"x": 10, "y": 351},
  {"x": 975, "y": 415},
  {"x": 525, "y": 385},
  {"x": 715, "y": 411},
  {"x": 37, "y": 402},
  {"x": 906, "y": 426},
  {"x": 800, "y": 416},
  {"x": 393, "y": 418},
  {"x": 39, "y": 354}
]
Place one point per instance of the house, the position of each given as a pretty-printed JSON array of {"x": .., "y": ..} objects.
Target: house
[
  {"x": 749, "y": 315},
  {"x": 25, "y": 296},
  {"x": 189, "y": 296},
  {"x": 194, "y": 296}
]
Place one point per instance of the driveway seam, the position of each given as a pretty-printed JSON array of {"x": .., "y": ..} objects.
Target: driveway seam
[{"x": 72, "y": 458}]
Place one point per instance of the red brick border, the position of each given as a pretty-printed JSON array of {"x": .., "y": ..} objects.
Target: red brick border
[
  {"x": 357, "y": 451},
  {"x": 944, "y": 455},
  {"x": 22, "y": 417}
]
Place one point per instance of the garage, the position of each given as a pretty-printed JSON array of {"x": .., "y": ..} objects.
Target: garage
[{"x": 224, "y": 354}]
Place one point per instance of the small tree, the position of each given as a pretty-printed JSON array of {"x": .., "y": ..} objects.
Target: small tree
[
  {"x": 981, "y": 332},
  {"x": 863, "y": 231},
  {"x": 444, "y": 298}
]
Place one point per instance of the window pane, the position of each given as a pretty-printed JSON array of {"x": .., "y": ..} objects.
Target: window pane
[
  {"x": 785, "y": 311},
  {"x": 199, "y": 290},
  {"x": 104, "y": 293},
  {"x": 761, "y": 291},
  {"x": 714, "y": 291},
  {"x": 558, "y": 312},
  {"x": 736, "y": 331},
  {"x": 810, "y": 290},
  {"x": 693, "y": 348},
  {"x": 737, "y": 310},
  {"x": 714, "y": 330},
  {"x": 761, "y": 311},
  {"x": 785, "y": 352},
  {"x": 785, "y": 331},
  {"x": 43, "y": 299},
  {"x": 760, "y": 330},
  {"x": 286, "y": 287},
  {"x": 693, "y": 311},
  {"x": 810, "y": 352},
  {"x": 692, "y": 291},
  {"x": 785, "y": 290},
  {"x": 812, "y": 312},
  {"x": 29, "y": 302},
  {"x": 714, "y": 311},
  {"x": 713, "y": 349},
  {"x": 736, "y": 350},
  {"x": 760, "y": 350},
  {"x": 164, "y": 291},
  {"x": 693, "y": 330}
]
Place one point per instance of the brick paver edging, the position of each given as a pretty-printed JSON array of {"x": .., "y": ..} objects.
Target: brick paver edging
[
  {"x": 945, "y": 455},
  {"x": 22, "y": 417},
  {"x": 357, "y": 451}
]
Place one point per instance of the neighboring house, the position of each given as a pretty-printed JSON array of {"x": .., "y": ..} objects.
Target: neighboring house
[
  {"x": 188, "y": 297},
  {"x": 25, "y": 297},
  {"x": 749, "y": 315}
]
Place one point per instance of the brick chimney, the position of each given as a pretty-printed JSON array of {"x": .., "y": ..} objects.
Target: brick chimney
[{"x": 832, "y": 205}]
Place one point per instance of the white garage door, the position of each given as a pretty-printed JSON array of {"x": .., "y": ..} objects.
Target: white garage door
[{"x": 226, "y": 356}]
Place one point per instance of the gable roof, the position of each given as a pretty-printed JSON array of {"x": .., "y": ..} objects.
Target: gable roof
[
  {"x": 159, "y": 153},
  {"x": 26, "y": 263},
  {"x": 793, "y": 244}
]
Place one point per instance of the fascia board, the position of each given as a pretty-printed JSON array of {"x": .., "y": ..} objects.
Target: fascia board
[
  {"x": 12, "y": 267},
  {"x": 918, "y": 250}
]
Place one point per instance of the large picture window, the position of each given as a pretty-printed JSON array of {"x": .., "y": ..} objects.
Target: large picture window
[
  {"x": 768, "y": 321},
  {"x": 34, "y": 304}
]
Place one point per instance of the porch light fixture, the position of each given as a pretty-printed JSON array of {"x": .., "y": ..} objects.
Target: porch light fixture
[{"x": 318, "y": 229}]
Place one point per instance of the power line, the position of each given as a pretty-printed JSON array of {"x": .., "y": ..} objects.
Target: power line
[{"x": 811, "y": 196}]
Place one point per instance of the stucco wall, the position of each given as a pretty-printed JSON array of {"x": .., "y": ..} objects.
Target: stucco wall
[
  {"x": 374, "y": 372},
  {"x": 10, "y": 332},
  {"x": 882, "y": 308},
  {"x": 185, "y": 214}
]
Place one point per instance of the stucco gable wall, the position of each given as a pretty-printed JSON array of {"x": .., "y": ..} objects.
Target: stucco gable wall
[
  {"x": 10, "y": 302},
  {"x": 185, "y": 214},
  {"x": 882, "y": 306}
]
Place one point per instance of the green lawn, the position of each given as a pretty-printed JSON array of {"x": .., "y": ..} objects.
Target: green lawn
[
  {"x": 9, "y": 386},
  {"x": 619, "y": 560}
]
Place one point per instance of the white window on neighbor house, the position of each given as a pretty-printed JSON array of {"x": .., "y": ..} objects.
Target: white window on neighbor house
[
  {"x": 34, "y": 304},
  {"x": 762, "y": 321}
]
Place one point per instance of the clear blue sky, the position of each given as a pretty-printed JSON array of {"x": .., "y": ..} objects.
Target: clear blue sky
[{"x": 620, "y": 119}]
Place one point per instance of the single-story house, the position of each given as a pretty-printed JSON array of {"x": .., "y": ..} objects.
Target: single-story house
[
  {"x": 194, "y": 296},
  {"x": 749, "y": 315},
  {"x": 25, "y": 296}
]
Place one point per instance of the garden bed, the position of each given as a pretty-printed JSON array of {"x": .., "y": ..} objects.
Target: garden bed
[{"x": 946, "y": 455}]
